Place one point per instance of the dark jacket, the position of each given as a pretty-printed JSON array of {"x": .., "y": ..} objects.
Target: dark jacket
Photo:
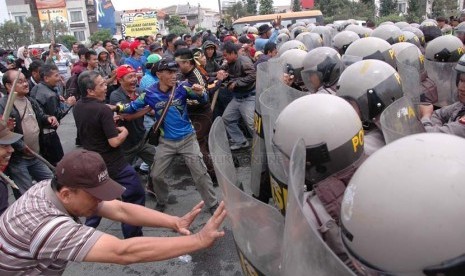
[
  {"x": 41, "y": 118},
  {"x": 49, "y": 100},
  {"x": 212, "y": 65},
  {"x": 241, "y": 72}
]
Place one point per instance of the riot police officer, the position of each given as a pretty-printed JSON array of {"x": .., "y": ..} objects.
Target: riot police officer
[
  {"x": 370, "y": 86},
  {"x": 333, "y": 137},
  {"x": 392, "y": 224},
  {"x": 321, "y": 70},
  {"x": 449, "y": 119}
]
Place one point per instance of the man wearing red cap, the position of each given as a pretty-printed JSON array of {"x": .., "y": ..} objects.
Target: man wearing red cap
[
  {"x": 49, "y": 233},
  {"x": 137, "y": 59},
  {"x": 135, "y": 146},
  {"x": 97, "y": 130},
  {"x": 124, "y": 46}
]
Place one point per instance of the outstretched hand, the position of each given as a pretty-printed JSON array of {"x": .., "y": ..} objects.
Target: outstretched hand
[
  {"x": 184, "y": 222},
  {"x": 210, "y": 233}
]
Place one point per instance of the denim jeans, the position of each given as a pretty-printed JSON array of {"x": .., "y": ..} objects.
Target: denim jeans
[
  {"x": 236, "y": 109},
  {"x": 134, "y": 193},
  {"x": 22, "y": 171}
]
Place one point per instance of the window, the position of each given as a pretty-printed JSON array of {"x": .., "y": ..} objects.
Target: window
[
  {"x": 20, "y": 19},
  {"x": 402, "y": 7},
  {"x": 79, "y": 35},
  {"x": 76, "y": 16}
]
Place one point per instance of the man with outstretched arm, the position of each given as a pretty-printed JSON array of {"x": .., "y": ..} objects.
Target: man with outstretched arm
[{"x": 41, "y": 231}]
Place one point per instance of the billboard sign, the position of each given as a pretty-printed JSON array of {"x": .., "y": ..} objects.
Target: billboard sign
[
  {"x": 50, "y": 4},
  {"x": 139, "y": 23},
  {"x": 105, "y": 15}
]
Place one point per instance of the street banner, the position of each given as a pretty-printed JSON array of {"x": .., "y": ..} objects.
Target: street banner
[{"x": 141, "y": 23}]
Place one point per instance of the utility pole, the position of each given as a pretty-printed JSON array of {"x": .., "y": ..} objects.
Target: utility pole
[
  {"x": 51, "y": 26},
  {"x": 219, "y": 10}
]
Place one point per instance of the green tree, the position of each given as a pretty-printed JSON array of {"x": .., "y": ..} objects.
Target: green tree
[
  {"x": 387, "y": 7},
  {"x": 174, "y": 20},
  {"x": 14, "y": 35},
  {"x": 266, "y": 7},
  {"x": 176, "y": 26},
  {"x": 101, "y": 35},
  {"x": 252, "y": 7},
  {"x": 179, "y": 30},
  {"x": 236, "y": 11},
  {"x": 333, "y": 8},
  {"x": 414, "y": 11},
  {"x": 67, "y": 40},
  {"x": 53, "y": 29},
  {"x": 296, "y": 5},
  {"x": 444, "y": 8}
]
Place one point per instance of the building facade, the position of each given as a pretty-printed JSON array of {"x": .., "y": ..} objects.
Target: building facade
[{"x": 74, "y": 14}]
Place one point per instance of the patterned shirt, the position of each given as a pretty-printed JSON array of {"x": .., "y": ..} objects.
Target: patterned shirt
[
  {"x": 177, "y": 124},
  {"x": 39, "y": 237}
]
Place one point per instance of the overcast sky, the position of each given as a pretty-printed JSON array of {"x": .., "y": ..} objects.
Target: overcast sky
[{"x": 139, "y": 4}]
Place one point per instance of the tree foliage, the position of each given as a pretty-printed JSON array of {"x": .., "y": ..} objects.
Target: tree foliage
[
  {"x": 251, "y": 7},
  {"x": 266, "y": 7},
  {"x": 176, "y": 25},
  {"x": 101, "y": 35},
  {"x": 444, "y": 8},
  {"x": 14, "y": 35},
  {"x": 296, "y": 6},
  {"x": 53, "y": 29},
  {"x": 387, "y": 7},
  {"x": 333, "y": 8},
  {"x": 66, "y": 40},
  {"x": 414, "y": 11},
  {"x": 179, "y": 30},
  {"x": 174, "y": 20},
  {"x": 237, "y": 11}
]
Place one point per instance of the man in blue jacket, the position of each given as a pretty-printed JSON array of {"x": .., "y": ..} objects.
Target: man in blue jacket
[{"x": 177, "y": 133}]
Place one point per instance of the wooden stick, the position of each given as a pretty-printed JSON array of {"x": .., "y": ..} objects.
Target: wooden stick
[
  {"x": 38, "y": 156},
  {"x": 8, "y": 180},
  {"x": 11, "y": 100},
  {"x": 215, "y": 99}
]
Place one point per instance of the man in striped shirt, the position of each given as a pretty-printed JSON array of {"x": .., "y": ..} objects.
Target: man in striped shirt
[{"x": 41, "y": 231}]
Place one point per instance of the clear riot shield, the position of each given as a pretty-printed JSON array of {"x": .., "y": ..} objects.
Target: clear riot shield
[
  {"x": 268, "y": 73},
  {"x": 257, "y": 227},
  {"x": 409, "y": 73},
  {"x": 305, "y": 252},
  {"x": 272, "y": 102},
  {"x": 399, "y": 119},
  {"x": 444, "y": 76}
]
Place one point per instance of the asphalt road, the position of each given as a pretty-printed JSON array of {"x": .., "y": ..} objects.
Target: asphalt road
[{"x": 220, "y": 259}]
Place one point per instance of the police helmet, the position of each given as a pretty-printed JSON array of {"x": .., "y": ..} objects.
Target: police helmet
[
  {"x": 326, "y": 64},
  {"x": 447, "y": 48},
  {"x": 372, "y": 84},
  {"x": 310, "y": 40},
  {"x": 291, "y": 44},
  {"x": 328, "y": 125},
  {"x": 343, "y": 39},
  {"x": 325, "y": 34},
  {"x": 411, "y": 38},
  {"x": 417, "y": 32},
  {"x": 298, "y": 30},
  {"x": 402, "y": 24},
  {"x": 391, "y": 33},
  {"x": 390, "y": 222},
  {"x": 293, "y": 59},
  {"x": 361, "y": 31},
  {"x": 283, "y": 37},
  {"x": 369, "y": 48}
]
